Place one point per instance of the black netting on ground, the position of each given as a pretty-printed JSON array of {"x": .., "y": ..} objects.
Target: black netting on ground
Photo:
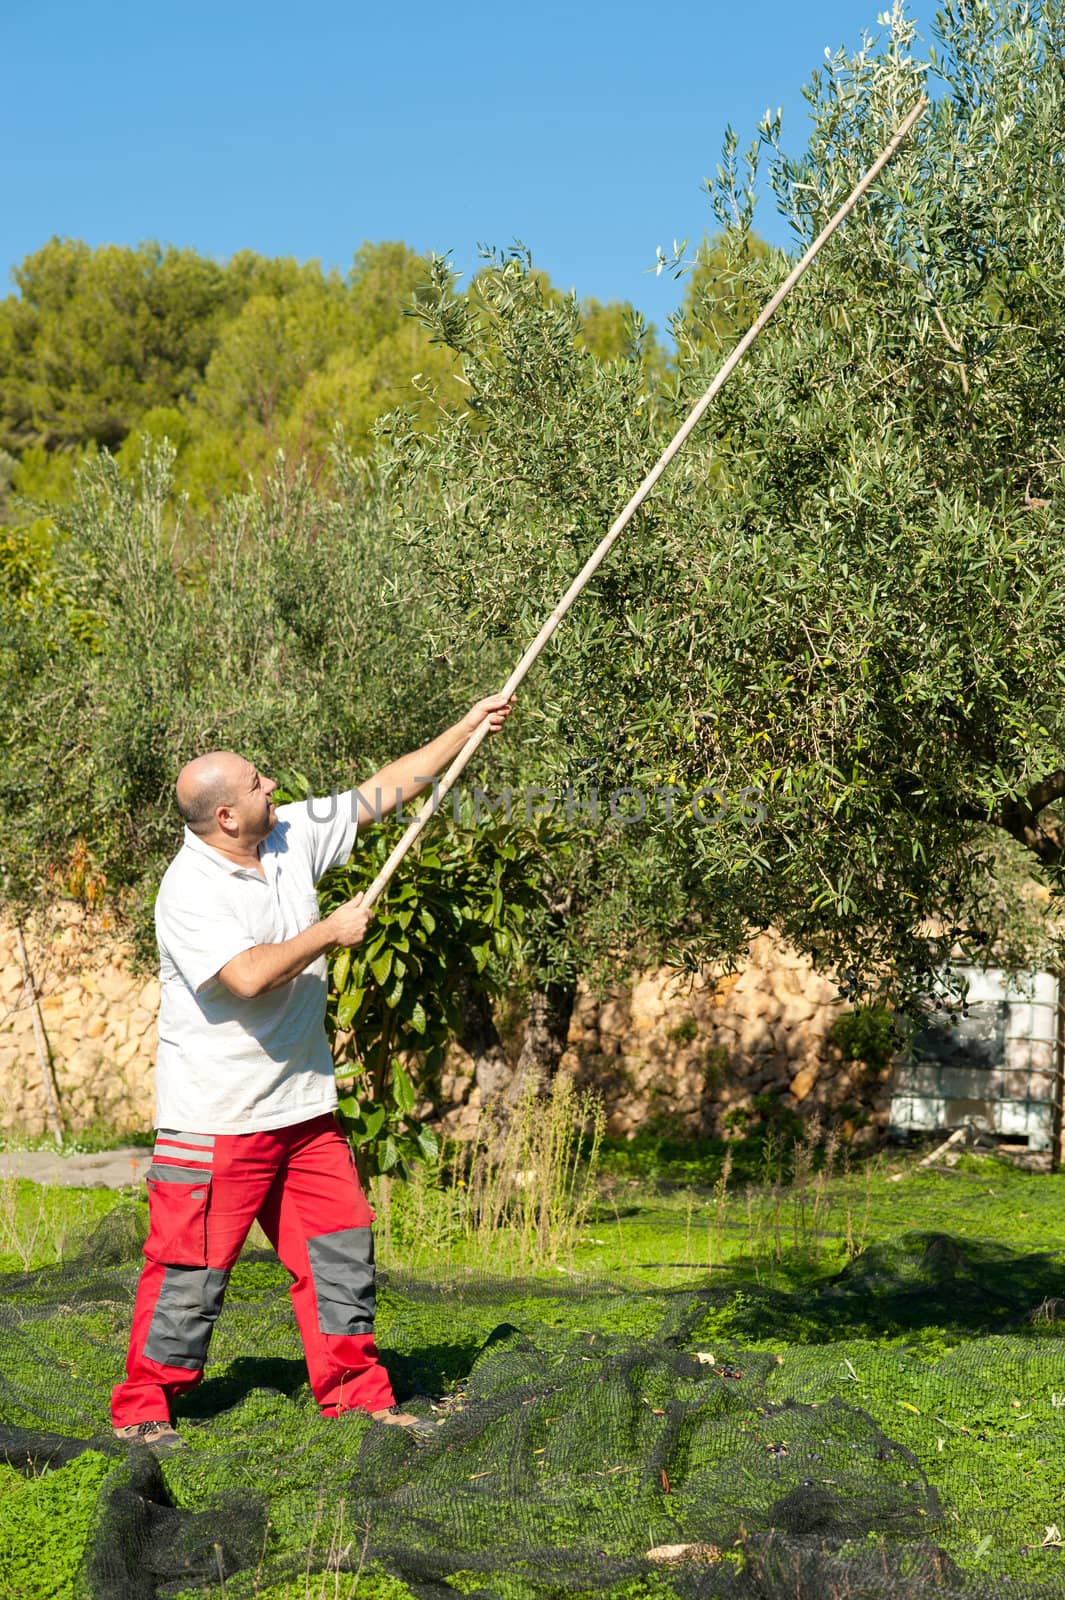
[{"x": 582, "y": 1428}]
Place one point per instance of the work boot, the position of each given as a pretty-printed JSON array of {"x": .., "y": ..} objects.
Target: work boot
[
  {"x": 159, "y": 1437},
  {"x": 420, "y": 1429}
]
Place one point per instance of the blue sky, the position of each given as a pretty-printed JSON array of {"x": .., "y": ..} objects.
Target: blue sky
[{"x": 585, "y": 130}]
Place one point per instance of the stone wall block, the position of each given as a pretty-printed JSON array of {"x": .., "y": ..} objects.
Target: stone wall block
[
  {"x": 115, "y": 985},
  {"x": 763, "y": 951},
  {"x": 142, "y": 1090},
  {"x": 64, "y": 1044},
  {"x": 20, "y": 1022},
  {"x": 803, "y": 1082},
  {"x": 748, "y": 982},
  {"x": 148, "y": 998},
  {"x": 613, "y": 1019},
  {"x": 751, "y": 1038},
  {"x": 80, "y": 1067},
  {"x": 823, "y": 992},
  {"x": 51, "y": 1008},
  {"x": 648, "y": 995},
  {"x": 73, "y": 1002},
  {"x": 723, "y": 988},
  {"x": 125, "y": 1053},
  {"x": 791, "y": 981},
  {"x": 11, "y": 982},
  {"x": 796, "y": 1011}
]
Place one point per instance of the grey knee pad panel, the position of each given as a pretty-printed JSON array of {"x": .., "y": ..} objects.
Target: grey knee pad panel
[
  {"x": 185, "y": 1314},
  {"x": 343, "y": 1273}
]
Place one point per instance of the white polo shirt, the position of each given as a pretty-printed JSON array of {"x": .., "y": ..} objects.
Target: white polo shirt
[{"x": 227, "y": 1065}]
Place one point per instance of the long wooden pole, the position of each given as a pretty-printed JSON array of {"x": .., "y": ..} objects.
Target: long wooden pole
[{"x": 622, "y": 521}]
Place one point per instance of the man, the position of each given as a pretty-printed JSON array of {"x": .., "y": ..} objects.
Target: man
[{"x": 245, "y": 1090}]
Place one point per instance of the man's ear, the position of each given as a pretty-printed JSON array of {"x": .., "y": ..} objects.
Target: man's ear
[{"x": 224, "y": 818}]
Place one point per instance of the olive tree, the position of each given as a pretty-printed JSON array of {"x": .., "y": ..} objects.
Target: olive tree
[{"x": 840, "y": 617}]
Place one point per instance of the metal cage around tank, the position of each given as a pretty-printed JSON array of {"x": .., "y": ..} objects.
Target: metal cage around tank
[{"x": 997, "y": 1068}]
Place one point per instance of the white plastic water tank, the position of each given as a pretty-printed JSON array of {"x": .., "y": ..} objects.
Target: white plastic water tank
[{"x": 997, "y": 1067}]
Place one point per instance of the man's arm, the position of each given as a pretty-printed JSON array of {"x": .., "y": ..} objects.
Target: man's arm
[
  {"x": 267, "y": 966},
  {"x": 402, "y": 780}
]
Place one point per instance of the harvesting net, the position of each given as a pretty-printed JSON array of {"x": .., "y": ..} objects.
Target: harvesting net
[{"x": 592, "y": 1441}]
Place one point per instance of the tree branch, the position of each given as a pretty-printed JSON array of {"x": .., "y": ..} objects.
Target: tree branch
[
  {"x": 1047, "y": 790},
  {"x": 1020, "y": 818}
]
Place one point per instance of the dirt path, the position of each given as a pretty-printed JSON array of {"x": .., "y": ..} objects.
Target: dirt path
[{"x": 105, "y": 1169}]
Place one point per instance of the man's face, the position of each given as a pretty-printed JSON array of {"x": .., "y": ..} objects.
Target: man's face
[{"x": 252, "y": 809}]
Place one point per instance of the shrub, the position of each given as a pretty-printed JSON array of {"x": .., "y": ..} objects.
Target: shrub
[{"x": 865, "y": 1034}]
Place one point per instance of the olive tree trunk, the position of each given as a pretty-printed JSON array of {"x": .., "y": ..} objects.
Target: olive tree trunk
[{"x": 546, "y": 1032}]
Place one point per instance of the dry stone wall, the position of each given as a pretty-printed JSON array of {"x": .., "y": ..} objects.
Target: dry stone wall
[
  {"x": 699, "y": 1058},
  {"x": 710, "y": 1056},
  {"x": 690, "y": 1059},
  {"x": 99, "y": 1019}
]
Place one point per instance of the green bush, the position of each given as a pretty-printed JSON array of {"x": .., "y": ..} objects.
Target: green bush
[{"x": 865, "y": 1034}]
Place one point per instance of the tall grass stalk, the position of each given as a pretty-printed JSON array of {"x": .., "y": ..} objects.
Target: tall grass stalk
[
  {"x": 856, "y": 1236},
  {"x": 317, "y": 1582},
  {"x": 810, "y": 1189},
  {"x": 526, "y": 1183},
  {"x": 32, "y": 1222},
  {"x": 416, "y": 1222},
  {"x": 790, "y": 1215},
  {"x": 714, "y": 1252}
]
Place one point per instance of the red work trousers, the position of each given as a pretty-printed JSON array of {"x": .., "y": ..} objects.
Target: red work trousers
[{"x": 204, "y": 1192}]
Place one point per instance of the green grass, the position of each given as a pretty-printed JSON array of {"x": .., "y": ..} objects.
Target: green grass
[
  {"x": 908, "y": 1299},
  {"x": 369, "y": 1584},
  {"x": 94, "y": 1138},
  {"x": 44, "y": 1523},
  {"x": 39, "y": 1224}
]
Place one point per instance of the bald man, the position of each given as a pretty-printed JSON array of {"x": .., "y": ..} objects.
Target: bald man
[{"x": 245, "y": 1089}]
